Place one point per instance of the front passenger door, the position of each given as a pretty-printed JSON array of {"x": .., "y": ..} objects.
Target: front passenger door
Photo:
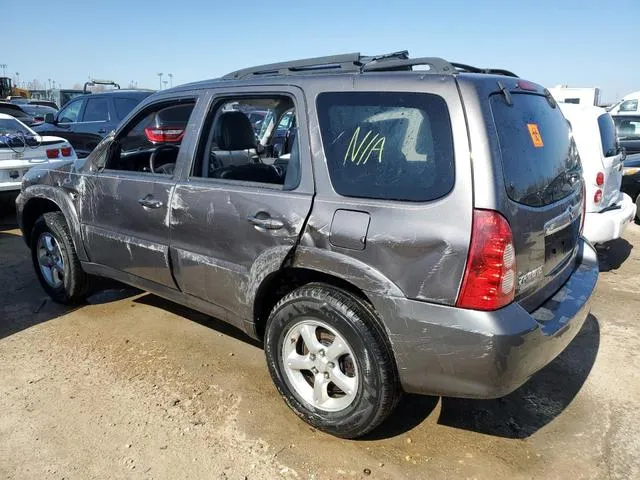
[{"x": 124, "y": 213}]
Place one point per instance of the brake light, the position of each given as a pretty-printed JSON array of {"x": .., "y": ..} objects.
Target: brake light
[
  {"x": 66, "y": 151},
  {"x": 164, "y": 134},
  {"x": 524, "y": 85},
  {"x": 597, "y": 196},
  {"x": 52, "y": 153},
  {"x": 600, "y": 179},
  {"x": 490, "y": 274}
]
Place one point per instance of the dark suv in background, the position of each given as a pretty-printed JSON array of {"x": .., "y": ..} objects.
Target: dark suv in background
[{"x": 87, "y": 119}]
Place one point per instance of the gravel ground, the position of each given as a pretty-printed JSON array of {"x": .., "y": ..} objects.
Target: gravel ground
[{"x": 133, "y": 386}]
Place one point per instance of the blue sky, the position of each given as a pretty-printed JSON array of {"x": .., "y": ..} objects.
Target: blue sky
[{"x": 574, "y": 42}]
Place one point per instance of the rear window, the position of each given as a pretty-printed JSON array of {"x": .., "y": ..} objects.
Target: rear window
[
  {"x": 538, "y": 152},
  {"x": 394, "y": 146},
  {"x": 608, "y": 135}
]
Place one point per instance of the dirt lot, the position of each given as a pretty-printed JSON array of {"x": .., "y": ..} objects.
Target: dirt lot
[{"x": 132, "y": 386}]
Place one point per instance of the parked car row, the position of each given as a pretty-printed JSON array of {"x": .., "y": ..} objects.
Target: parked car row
[
  {"x": 21, "y": 148},
  {"x": 364, "y": 248}
]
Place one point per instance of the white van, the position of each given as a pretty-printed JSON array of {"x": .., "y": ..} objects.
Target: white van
[
  {"x": 608, "y": 211},
  {"x": 629, "y": 105}
]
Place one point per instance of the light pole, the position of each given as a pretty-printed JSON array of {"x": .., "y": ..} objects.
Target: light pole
[
  {"x": 17, "y": 79},
  {"x": 49, "y": 83},
  {"x": 171, "y": 80},
  {"x": 3, "y": 66},
  {"x": 160, "y": 79},
  {"x": 165, "y": 83}
]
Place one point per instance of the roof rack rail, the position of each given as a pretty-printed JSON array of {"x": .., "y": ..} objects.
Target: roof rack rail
[
  {"x": 358, "y": 63},
  {"x": 348, "y": 62},
  {"x": 461, "y": 67}
]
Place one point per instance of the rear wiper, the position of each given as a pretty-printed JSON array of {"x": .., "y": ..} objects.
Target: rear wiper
[{"x": 506, "y": 93}]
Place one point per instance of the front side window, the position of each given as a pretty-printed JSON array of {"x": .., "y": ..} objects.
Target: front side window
[
  {"x": 233, "y": 151},
  {"x": 628, "y": 127},
  {"x": 629, "y": 106},
  {"x": 394, "y": 146},
  {"x": 151, "y": 141},
  {"x": 69, "y": 114},
  {"x": 97, "y": 110}
]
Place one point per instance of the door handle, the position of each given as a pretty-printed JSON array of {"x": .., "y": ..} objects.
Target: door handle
[
  {"x": 267, "y": 223},
  {"x": 149, "y": 202},
  {"x": 102, "y": 130}
]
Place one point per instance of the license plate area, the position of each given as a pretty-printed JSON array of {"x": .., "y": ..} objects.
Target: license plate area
[{"x": 559, "y": 247}]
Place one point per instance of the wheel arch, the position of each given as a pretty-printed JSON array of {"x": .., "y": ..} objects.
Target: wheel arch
[{"x": 40, "y": 199}]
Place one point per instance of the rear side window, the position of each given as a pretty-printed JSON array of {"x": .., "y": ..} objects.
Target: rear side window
[
  {"x": 608, "y": 135},
  {"x": 394, "y": 146},
  {"x": 538, "y": 153},
  {"x": 124, "y": 106}
]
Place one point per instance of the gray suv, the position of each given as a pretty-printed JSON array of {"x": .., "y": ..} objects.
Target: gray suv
[{"x": 417, "y": 231}]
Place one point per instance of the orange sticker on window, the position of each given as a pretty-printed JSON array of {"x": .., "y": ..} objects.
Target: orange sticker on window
[{"x": 536, "y": 138}]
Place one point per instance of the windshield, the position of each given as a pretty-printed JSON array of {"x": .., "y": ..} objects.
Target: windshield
[
  {"x": 628, "y": 127},
  {"x": 539, "y": 158},
  {"x": 11, "y": 125}
]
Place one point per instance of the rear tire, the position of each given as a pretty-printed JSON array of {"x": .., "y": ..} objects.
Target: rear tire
[
  {"x": 340, "y": 375},
  {"x": 55, "y": 261}
]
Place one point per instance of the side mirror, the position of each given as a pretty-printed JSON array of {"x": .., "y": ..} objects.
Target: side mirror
[{"x": 49, "y": 118}]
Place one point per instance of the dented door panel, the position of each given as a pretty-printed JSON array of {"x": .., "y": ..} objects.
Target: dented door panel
[{"x": 217, "y": 253}]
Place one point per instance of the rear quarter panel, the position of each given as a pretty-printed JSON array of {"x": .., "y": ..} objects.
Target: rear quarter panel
[{"x": 420, "y": 247}]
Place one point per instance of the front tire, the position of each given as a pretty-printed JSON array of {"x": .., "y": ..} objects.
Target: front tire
[
  {"x": 328, "y": 358},
  {"x": 55, "y": 261}
]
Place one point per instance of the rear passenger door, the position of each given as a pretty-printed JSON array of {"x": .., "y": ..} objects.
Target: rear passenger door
[{"x": 237, "y": 212}]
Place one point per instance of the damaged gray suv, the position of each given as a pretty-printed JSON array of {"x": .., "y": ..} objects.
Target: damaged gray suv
[{"x": 416, "y": 230}]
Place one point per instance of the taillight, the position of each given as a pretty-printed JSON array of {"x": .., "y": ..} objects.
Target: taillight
[
  {"x": 52, "y": 153},
  {"x": 164, "y": 134},
  {"x": 600, "y": 179},
  {"x": 66, "y": 151},
  {"x": 489, "y": 281},
  {"x": 597, "y": 196}
]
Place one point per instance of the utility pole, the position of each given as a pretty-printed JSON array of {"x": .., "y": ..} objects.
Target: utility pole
[
  {"x": 160, "y": 78},
  {"x": 171, "y": 80}
]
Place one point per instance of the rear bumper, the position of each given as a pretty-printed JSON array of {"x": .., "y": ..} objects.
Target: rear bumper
[
  {"x": 600, "y": 227},
  {"x": 442, "y": 350}
]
